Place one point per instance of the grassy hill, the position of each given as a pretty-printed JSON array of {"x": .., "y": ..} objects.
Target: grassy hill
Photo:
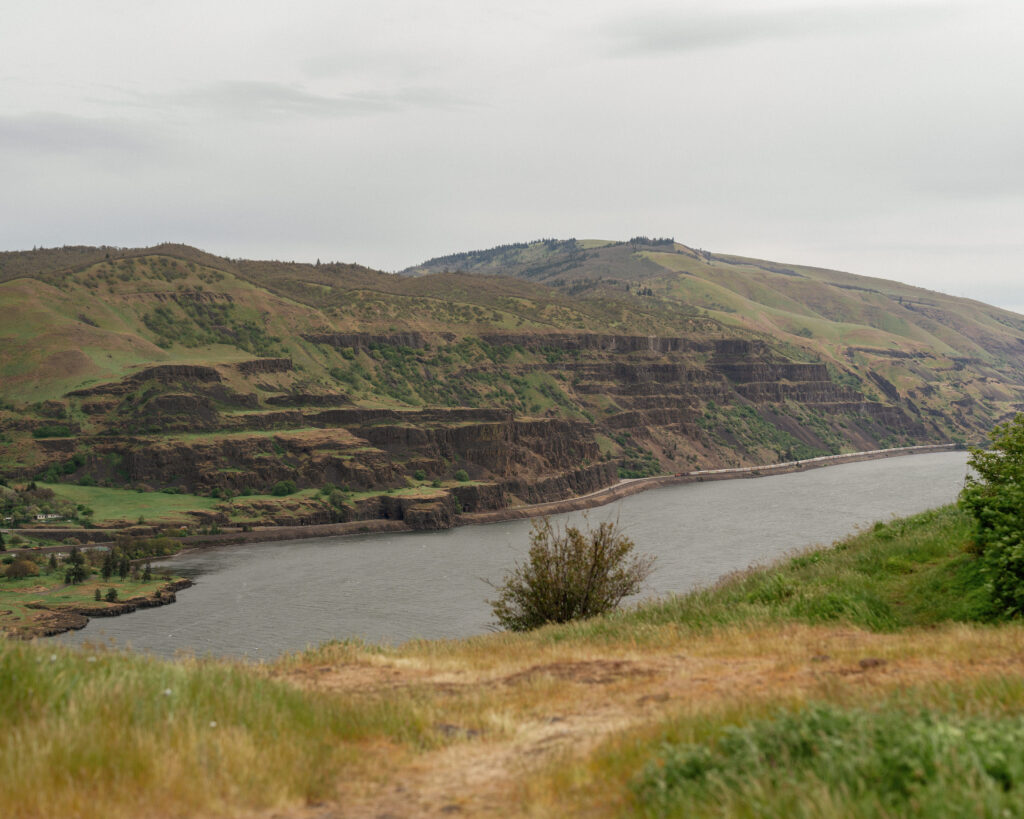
[
  {"x": 542, "y": 370},
  {"x": 843, "y": 315}
]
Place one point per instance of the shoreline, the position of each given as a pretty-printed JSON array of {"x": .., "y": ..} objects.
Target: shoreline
[
  {"x": 601, "y": 497},
  {"x": 59, "y": 618}
]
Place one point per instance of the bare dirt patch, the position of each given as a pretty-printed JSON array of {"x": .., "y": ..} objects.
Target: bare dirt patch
[{"x": 546, "y": 711}]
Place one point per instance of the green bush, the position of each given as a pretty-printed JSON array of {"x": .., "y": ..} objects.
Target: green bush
[
  {"x": 419, "y": 475},
  {"x": 51, "y": 431},
  {"x": 462, "y": 475},
  {"x": 282, "y": 488},
  {"x": 890, "y": 762},
  {"x": 569, "y": 575},
  {"x": 994, "y": 497}
]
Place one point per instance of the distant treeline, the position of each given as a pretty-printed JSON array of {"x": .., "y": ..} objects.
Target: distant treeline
[
  {"x": 647, "y": 240},
  {"x": 499, "y": 252}
]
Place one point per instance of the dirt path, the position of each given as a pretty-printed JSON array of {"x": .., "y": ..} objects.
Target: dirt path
[{"x": 549, "y": 711}]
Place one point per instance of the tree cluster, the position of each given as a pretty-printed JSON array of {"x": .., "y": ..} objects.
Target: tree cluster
[{"x": 994, "y": 496}]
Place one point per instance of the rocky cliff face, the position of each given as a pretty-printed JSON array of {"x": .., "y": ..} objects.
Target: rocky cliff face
[{"x": 640, "y": 403}]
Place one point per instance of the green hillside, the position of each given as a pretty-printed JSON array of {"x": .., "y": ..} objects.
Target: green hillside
[
  {"x": 541, "y": 370},
  {"x": 820, "y": 309}
]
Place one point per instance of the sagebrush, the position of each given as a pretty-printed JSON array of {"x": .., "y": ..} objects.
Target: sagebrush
[{"x": 570, "y": 575}]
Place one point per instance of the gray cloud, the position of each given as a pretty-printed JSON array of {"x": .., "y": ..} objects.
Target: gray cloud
[
  {"x": 673, "y": 32},
  {"x": 250, "y": 99},
  {"x": 52, "y": 133},
  {"x": 879, "y": 136}
]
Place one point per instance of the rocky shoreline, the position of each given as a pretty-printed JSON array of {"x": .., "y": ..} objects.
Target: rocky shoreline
[
  {"x": 58, "y": 619},
  {"x": 600, "y": 497}
]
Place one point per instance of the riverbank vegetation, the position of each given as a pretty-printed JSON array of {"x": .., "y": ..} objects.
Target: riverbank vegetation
[
  {"x": 793, "y": 672},
  {"x": 34, "y": 588}
]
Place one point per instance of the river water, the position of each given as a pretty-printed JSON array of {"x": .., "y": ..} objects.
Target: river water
[{"x": 261, "y": 600}]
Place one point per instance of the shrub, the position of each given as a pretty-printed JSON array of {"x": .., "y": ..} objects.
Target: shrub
[
  {"x": 569, "y": 575},
  {"x": 20, "y": 569},
  {"x": 51, "y": 431},
  {"x": 111, "y": 594},
  {"x": 886, "y": 762},
  {"x": 462, "y": 475},
  {"x": 994, "y": 497},
  {"x": 282, "y": 488},
  {"x": 419, "y": 475}
]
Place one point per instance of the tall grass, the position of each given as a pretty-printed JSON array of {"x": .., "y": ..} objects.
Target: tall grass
[
  {"x": 909, "y": 572},
  {"x": 895, "y": 759},
  {"x": 108, "y": 734}
]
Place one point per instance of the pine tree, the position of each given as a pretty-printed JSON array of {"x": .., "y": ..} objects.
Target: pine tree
[
  {"x": 98, "y": 597},
  {"x": 76, "y": 572},
  {"x": 108, "y": 565}
]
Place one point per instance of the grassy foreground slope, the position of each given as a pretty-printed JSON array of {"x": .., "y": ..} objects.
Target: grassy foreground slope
[{"x": 858, "y": 680}]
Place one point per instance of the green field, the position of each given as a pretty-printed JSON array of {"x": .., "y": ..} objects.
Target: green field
[{"x": 122, "y": 504}]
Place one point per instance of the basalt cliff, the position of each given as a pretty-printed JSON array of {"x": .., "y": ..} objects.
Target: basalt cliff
[{"x": 358, "y": 395}]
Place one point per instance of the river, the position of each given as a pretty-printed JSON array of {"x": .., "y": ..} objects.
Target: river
[{"x": 261, "y": 600}]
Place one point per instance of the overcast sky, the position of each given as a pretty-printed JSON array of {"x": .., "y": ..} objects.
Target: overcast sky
[{"x": 880, "y": 137}]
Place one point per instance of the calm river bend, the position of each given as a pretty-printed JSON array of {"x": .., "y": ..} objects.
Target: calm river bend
[{"x": 264, "y": 599}]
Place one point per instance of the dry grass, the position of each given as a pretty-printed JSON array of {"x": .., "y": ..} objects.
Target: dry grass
[{"x": 550, "y": 731}]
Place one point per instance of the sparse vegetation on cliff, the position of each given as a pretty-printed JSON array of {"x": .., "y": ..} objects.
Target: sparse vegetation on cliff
[{"x": 210, "y": 377}]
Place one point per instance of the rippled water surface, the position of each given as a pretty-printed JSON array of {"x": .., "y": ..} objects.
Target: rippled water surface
[{"x": 263, "y": 599}]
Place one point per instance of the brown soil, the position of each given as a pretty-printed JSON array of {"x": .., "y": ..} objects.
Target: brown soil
[{"x": 560, "y": 711}]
